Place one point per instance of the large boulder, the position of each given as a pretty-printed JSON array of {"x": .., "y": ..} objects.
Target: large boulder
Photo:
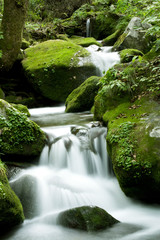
[
  {"x": 128, "y": 103},
  {"x": 56, "y": 67},
  {"x": 86, "y": 218},
  {"x": 82, "y": 98},
  {"x": 134, "y": 36},
  {"x": 11, "y": 212},
  {"x": 18, "y": 134}
]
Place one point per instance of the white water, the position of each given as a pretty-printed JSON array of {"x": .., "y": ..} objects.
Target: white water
[
  {"x": 103, "y": 58},
  {"x": 88, "y": 28},
  {"x": 71, "y": 175},
  {"x": 74, "y": 171}
]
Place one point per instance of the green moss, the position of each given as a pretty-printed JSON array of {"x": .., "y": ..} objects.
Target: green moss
[
  {"x": 22, "y": 109},
  {"x": 82, "y": 98},
  {"x": 54, "y": 68},
  {"x": 25, "y": 44},
  {"x": 119, "y": 41},
  {"x": 51, "y": 53},
  {"x": 11, "y": 212},
  {"x": 128, "y": 103},
  {"x": 84, "y": 42},
  {"x": 127, "y": 55},
  {"x": 19, "y": 135},
  {"x": 86, "y": 218},
  {"x": 111, "y": 39}
]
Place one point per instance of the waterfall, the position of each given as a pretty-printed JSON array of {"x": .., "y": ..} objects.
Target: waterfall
[
  {"x": 74, "y": 170},
  {"x": 88, "y": 27},
  {"x": 103, "y": 58}
]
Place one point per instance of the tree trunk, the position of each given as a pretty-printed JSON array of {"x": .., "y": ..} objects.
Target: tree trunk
[{"x": 12, "y": 27}]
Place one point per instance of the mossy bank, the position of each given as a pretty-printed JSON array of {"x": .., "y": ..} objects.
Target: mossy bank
[{"x": 128, "y": 103}]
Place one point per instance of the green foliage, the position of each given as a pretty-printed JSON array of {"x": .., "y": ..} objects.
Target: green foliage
[
  {"x": 36, "y": 8},
  {"x": 114, "y": 82},
  {"x": 147, "y": 10}
]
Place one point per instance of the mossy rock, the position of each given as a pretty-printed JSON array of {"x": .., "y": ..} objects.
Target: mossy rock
[
  {"x": 11, "y": 212},
  {"x": 85, "y": 42},
  {"x": 133, "y": 144},
  {"x": 128, "y": 103},
  {"x": 55, "y": 68},
  {"x": 82, "y": 98},
  {"x": 22, "y": 109},
  {"x": 86, "y": 218},
  {"x": 25, "y": 44},
  {"x": 134, "y": 36},
  {"x": 127, "y": 55},
  {"x": 19, "y": 135},
  {"x": 111, "y": 39}
]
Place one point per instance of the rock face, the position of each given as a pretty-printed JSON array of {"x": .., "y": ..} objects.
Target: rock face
[
  {"x": 11, "y": 212},
  {"x": 25, "y": 188},
  {"x": 134, "y": 36},
  {"x": 82, "y": 98},
  {"x": 86, "y": 218},
  {"x": 129, "y": 105},
  {"x": 56, "y": 67},
  {"x": 18, "y": 134}
]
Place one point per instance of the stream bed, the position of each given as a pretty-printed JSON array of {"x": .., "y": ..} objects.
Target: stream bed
[{"x": 74, "y": 170}]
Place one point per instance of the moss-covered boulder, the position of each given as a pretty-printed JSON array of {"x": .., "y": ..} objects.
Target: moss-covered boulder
[
  {"x": 86, "y": 218},
  {"x": 85, "y": 41},
  {"x": 11, "y": 212},
  {"x": 56, "y": 67},
  {"x": 111, "y": 39},
  {"x": 21, "y": 108},
  {"x": 127, "y": 55},
  {"x": 82, "y": 98},
  {"x": 18, "y": 134},
  {"x": 128, "y": 103}
]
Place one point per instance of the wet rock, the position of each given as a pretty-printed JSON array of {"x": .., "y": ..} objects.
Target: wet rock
[
  {"x": 87, "y": 218},
  {"x": 82, "y": 98},
  {"x": 25, "y": 188}
]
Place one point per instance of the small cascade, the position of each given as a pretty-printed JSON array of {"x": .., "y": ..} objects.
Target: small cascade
[
  {"x": 88, "y": 27},
  {"x": 74, "y": 171},
  {"x": 103, "y": 58},
  {"x": 84, "y": 154}
]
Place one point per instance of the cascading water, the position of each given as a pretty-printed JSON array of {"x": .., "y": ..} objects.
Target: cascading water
[
  {"x": 103, "y": 58},
  {"x": 73, "y": 171},
  {"x": 88, "y": 27}
]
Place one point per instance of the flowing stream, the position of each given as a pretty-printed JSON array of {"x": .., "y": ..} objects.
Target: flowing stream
[{"x": 74, "y": 170}]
